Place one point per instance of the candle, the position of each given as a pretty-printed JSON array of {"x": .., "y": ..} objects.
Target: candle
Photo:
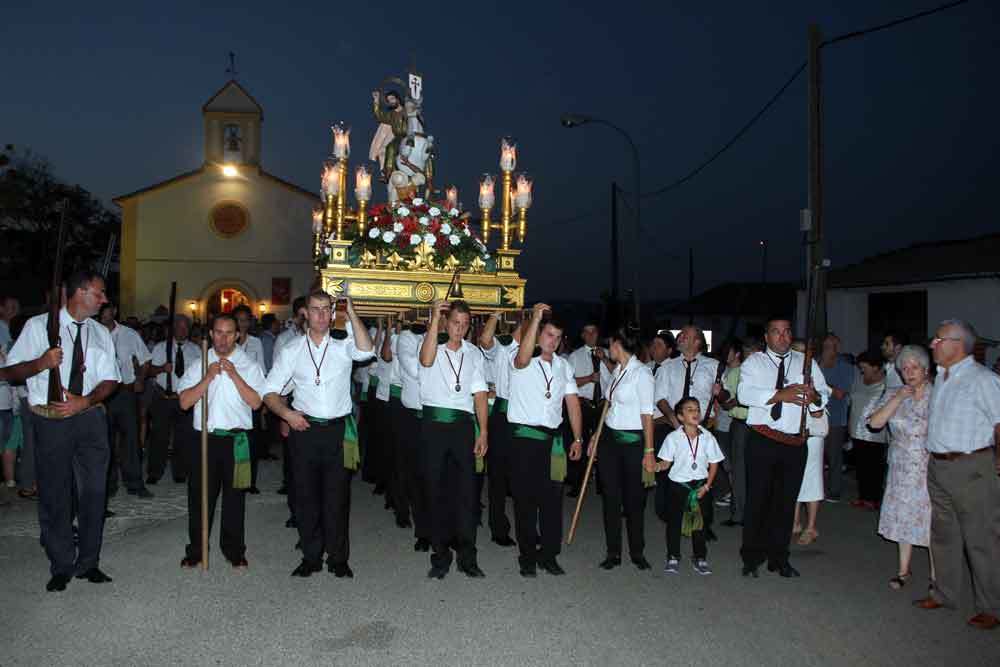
[
  {"x": 452, "y": 196},
  {"x": 341, "y": 141},
  {"x": 317, "y": 220},
  {"x": 522, "y": 196},
  {"x": 362, "y": 184},
  {"x": 330, "y": 180},
  {"x": 486, "y": 196},
  {"x": 508, "y": 154}
]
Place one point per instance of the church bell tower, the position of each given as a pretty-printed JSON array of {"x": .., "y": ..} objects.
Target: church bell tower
[{"x": 232, "y": 121}]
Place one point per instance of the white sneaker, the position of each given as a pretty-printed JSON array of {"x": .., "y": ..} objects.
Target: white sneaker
[
  {"x": 724, "y": 501},
  {"x": 673, "y": 566},
  {"x": 701, "y": 567}
]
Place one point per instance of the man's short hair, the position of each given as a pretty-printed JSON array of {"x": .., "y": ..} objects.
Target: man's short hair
[
  {"x": 871, "y": 357},
  {"x": 321, "y": 296},
  {"x": 242, "y": 308},
  {"x": 100, "y": 311},
  {"x": 79, "y": 279},
  {"x": 226, "y": 316},
  {"x": 667, "y": 338},
  {"x": 459, "y": 306},
  {"x": 969, "y": 335},
  {"x": 267, "y": 319},
  {"x": 773, "y": 319},
  {"x": 898, "y": 337},
  {"x": 181, "y": 317},
  {"x": 298, "y": 304},
  {"x": 552, "y": 321}
]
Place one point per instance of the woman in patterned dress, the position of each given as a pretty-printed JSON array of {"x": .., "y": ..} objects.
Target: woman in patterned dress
[{"x": 906, "y": 506}]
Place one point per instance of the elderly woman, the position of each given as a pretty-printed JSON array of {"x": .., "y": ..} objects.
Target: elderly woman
[
  {"x": 869, "y": 445},
  {"x": 906, "y": 506}
]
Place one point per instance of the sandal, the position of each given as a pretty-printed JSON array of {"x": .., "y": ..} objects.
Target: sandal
[
  {"x": 27, "y": 494},
  {"x": 808, "y": 536},
  {"x": 899, "y": 581},
  {"x": 796, "y": 529}
]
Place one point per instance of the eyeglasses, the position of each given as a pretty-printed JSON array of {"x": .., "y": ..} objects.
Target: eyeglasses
[{"x": 940, "y": 339}]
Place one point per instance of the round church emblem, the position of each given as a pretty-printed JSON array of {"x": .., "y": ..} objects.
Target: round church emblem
[
  {"x": 424, "y": 292},
  {"x": 229, "y": 219}
]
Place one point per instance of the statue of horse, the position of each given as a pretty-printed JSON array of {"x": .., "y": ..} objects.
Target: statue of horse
[{"x": 414, "y": 164}]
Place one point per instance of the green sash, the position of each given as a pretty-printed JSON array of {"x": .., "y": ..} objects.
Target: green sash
[
  {"x": 241, "y": 456},
  {"x": 16, "y": 439},
  {"x": 693, "y": 519},
  {"x": 396, "y": 391},
  {"x": 557, "y": 466},
  {"x": 500, "y": 404},
  {"x": 452, "y": 416},
  {"x": 632, "y": 438},
  {"x": 352, "y": 452}
]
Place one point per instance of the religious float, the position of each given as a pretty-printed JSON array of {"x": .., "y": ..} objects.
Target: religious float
[{"x": 419, "y": 245}]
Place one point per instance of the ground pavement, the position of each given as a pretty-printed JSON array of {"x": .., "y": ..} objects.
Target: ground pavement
[{"x": 840, "y": 612}]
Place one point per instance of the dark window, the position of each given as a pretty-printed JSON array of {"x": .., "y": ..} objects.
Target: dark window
[{"x": 905, "y": 312}]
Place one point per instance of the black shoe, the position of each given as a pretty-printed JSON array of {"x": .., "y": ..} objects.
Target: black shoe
[
  {"x": 108, "y": 514},
  {"x": 471, "y": 570},
  {"x": 529, "y": 571},
  {"x": 422, "y": 544},
  {"x": 57, "y": 583},
  {"x": 403, "y": 522},
  {"x": 611, "y": 562},
  {"x": 504, "y": 541},
  {"x": 341, "y": 570},
  {"x": 140, "y": 493},
  {"x": 253, "y": 489},
  {"x": 151, "y": 480},
  {"x": 283, "y": 490},
  {"x": 188, "y": 563},
  {"x": 751, "y": 571},
  {"x": 710, "y": 535},
  {"x": 729, "y": 523},
  {"x": 437, "y": 572},
  {"x": 291, "y": 522},
  {"x": 552, "y": 567},
  {"x": 641, "y": 562},
  {"x": 240, "y": 564},
  {"x": 785, "y": 570},
  {"x": 94, "y": 576},
  {"x": 305, "y": 569}
]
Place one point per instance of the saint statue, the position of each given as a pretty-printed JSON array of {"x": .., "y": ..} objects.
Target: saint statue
[{"x": 391, "y": 131}]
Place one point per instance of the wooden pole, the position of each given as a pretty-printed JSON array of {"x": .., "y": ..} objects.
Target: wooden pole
[
  {"x": 586, "y": 475},
  {"x": 204, "y": 458}
]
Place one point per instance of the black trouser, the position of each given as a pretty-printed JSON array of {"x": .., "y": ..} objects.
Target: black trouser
[
  {"x": 774, "y": 475},
  {"x": 322, "y": 491},
  {"x": 620, "y": 466},
  {"x": 366, "y": 434},
  {"x": 71, "y": 455},
  {"x": 678, "y": 494},
  {"x": 221, "y": 467},
  {"x": 168, "y": 418},
  {"x": 537, "y": 499},
  {"x": 661, "y": 501},
  {"x": 385, "y": 469},
  {"x": 398, "y": 487},
  {"x": 449, "y": 466},
  {"x": 575, "y": 470},
  {"x": 499, "y": 468},
  {"x": 410, "y": 477},
  {"x": 870, "y": 461},
  {"x": 123, "y": 418},
  {"x": 258, "y": 445}
]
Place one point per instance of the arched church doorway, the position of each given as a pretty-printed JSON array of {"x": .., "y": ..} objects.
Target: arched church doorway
[{"x": 224, "y": 300}]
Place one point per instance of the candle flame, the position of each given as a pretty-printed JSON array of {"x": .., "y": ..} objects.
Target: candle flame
[
  {"x": 486, "y": 196},
  {"x": 508, "y": 154},
  {"x": 331, "y": 179},
  {"x": 341, "y": 141},
  {"x": 362, "y": 183}
]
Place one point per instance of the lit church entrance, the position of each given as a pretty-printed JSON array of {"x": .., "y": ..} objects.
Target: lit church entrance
[{"x": 224, "y": 300}]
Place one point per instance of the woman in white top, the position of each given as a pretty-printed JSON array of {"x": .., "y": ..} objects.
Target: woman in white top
[
  {"x": 626, "y": 462},
  {"x": 869, "y": 446}
]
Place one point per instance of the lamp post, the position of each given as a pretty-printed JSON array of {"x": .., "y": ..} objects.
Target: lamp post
[{"x": 575, "y": 120}]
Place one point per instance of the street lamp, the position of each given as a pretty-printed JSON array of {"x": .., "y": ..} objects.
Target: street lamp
[{"x": 571, "y": 120}]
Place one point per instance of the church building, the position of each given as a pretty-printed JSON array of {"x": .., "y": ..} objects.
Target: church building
[{"x": 227, "y": 232}]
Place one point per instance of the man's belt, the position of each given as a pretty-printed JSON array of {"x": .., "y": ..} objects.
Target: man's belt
[
  {"x": 320, "y": 422},
  {"x": 49, "y": 412},
  {"x": 951, "y": 456},
  {"x": 778, "y": 436}
]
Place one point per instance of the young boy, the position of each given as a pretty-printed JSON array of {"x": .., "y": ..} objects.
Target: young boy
[{"x": 692, "y": 455}]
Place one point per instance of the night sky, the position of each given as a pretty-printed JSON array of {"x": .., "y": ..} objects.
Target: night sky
[{"x": 111, "y": 95}]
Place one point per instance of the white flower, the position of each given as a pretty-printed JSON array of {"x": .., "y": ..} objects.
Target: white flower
[
  {"x": 446, "y": 228},
  {"x": 388, "y": 236},
  {"x": 455, "y": 240},
  {"x": 424, "y": 220},
  {"x": 453, "y": 211},
  {"x": 374, "y": 232},
  {"x": 402, "y": 210},
  {"x": 430, "y": 238},
  {"x": 397, "y": 227},
  {"x": 467, "y": 232},
  {"x": 418, "y": 201},
  {"x": 415, "y": 239},
  {"x": 435, "y": 211}
]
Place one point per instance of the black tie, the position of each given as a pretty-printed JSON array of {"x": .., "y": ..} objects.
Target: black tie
[
  {"x": 780, "y": 384},
  {"x": 76, "y": 369},
  {"x": 656, "y": 367},
  {"x": 597, "y": 383},
  {"x": 179, "y": 361},
  {"x": 687, "y": 379}
]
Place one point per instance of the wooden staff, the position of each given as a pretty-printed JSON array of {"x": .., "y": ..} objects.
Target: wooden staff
[
  {"x": 586, "y": 475},
  {"x": 204, "y": 458}
]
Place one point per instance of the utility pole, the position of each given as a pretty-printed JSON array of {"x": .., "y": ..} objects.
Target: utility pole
[{"x": 813, "y": 222}]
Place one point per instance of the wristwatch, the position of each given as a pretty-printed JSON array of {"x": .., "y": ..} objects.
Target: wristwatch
[{"x": 578, "y": 440}]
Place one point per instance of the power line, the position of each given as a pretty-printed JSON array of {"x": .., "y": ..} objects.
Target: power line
[{"x": 892, "y": 24}]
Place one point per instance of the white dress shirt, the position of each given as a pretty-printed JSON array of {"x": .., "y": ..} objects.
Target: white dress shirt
[
  {"x": 329, "y": 399},
  {"x": 284, "y": 338},
  {"x": 670, "y": 381},
  {"x": 500, "y": 358},
  {"x": 394, "y": 378},
  {"x": 437, "y": 383},
  {"x": 758, "y": 377},
  {"x": 254, "y": 349},
  {"x": 630, "y": 391},
  {"x": 98, "y": 354},
  {"x": 678, "y": 448},
  {"x": 582, "y": 363},
  {"x": 383, "y": 369},
  {"x": 128, "y": 344},
  {"x": 965, "y": 408},
  {"x": 407, "y": 354},
  {"x": 226, "y": 408},
  {"x": 528, "y": 386},
  {"x": 192, "y": 357}
]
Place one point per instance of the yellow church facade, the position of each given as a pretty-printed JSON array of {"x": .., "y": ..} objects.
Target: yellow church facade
[{"x": 227, "y": 232}]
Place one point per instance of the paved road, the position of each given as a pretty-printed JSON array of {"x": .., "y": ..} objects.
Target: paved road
[{"x": 840, "y": 613}]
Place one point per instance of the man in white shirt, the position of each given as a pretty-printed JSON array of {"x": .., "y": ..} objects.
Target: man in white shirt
[
  {"x": 168, "y": 418},
  {"x": 690, "y": 374},
  {"x": 964, "y": 429},
  {"x": 453, "y": 394},
  {"x": 296, "y": 330},
  {"x": 409, "y": 487},
  {"x": 132, "y": 357},
  {"x": 387, "y": 482},
  {"x": 892, "y": 343},
  {"x": 234, "y": 383},
  {"x": 539, "y": 385},
  {"x": 586, "y": 362},
  {"x": 323, "y": 431},
  {"x": 771, "y": 386},
  {"x": 72, "y": 433},
  {"x": 253, "y": 348}
]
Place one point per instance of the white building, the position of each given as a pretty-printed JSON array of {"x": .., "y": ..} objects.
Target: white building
[
  {"x": 227, "y": 232},
  {"x": 914, "y": 288}
]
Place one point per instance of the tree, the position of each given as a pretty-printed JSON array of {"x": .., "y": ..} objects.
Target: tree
[{"x": 30, "y": 207}]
